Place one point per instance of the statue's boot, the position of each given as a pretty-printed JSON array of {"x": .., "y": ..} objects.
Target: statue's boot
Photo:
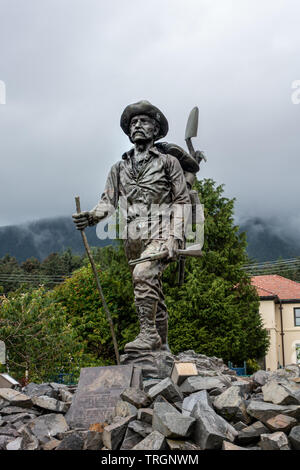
[
  {"x": 148, "y": 338},
  {"x": 162, "y": 328}
]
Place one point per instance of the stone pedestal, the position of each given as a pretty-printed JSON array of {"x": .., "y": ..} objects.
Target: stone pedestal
[{"x": 154, "y": 364}]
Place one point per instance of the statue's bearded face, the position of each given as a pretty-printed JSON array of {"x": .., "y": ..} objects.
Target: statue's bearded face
[{"x": 143, "y": 127}]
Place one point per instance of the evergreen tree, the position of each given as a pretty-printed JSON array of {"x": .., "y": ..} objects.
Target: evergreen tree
[
  {"x": 9, "y": 272},
  {"x": 31, "y": 266},
  {"x": 216, "y": 312}
]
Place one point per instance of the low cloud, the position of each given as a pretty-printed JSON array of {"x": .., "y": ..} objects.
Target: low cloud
[{"x": 71, "y": 66}]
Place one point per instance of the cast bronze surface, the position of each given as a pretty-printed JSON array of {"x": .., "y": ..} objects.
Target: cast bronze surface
[
  {"x": 194, "y": 250},
  {"x": 187, "y": 162},
  {"x": 144, "y": 107},
  {"x": 151, "y": 182}
]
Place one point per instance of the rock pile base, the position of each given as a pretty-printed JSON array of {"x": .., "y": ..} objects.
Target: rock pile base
[{"x": 214, "y": 410}]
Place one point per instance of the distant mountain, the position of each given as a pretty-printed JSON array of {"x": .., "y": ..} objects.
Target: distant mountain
[
  {"x": 268, "y": 241},
  {"x": 39, "y": 239}
]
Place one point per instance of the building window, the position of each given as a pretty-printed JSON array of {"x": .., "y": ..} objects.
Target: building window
[{"x": 297, "y": 316}]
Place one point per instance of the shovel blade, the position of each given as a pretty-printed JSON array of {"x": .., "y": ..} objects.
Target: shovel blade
[{"x": 192, "y": 124}]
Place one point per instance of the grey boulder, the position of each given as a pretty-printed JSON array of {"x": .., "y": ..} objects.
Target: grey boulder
[
  {"x": 124, "y": 409},
  {"x": 260, "y": 378},
  {"x": 147, "y": 384},
  {"x": 190, "y": 401},
  {"x": 114, "y": 433},
  {"x": 35, "y": 390},
  {"x": 197, "y": 383},
  {"x": 135, "y": 433},
  {"x": 169, "y": 422},
  {"x": 294, "y": 438},
  {"x": 231, "y": 405},
  {"x": 92, "y": 440},
  {"x": 4, "y": 440},
  {"x": 275, "y": 441},
  {"x": 136, "y": 397},
  {"x": 263, "y": 411},
  {"x": 143, "y": 429},
  {"x": 30, "y": 442},
  {"x": 46, "y": 426},
  {"x": 73, "y": 441},
  {"x": 251, "y": 434},
  {"x": 22, "y": 417},
  {"x": 51, "y": 404},
  {"x": 167, "y": 389},
  {"x": 16, "y": 444},
  {"x": 145, "y": 414},
  {"x": 181, "y": 445},
  {"x": 279, "y": 394},
  {"x": 155, "y": 441},
  {"x": 210, "y": 428},
  {"x": 281, "y": 423},
  {"x": 15, "y": 398},
  {"x": 229, "y": 446},
  {"x": 9, "y": 410}
]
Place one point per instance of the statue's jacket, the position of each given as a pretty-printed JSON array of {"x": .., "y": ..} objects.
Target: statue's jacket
[{"x": 149, "y": 196}]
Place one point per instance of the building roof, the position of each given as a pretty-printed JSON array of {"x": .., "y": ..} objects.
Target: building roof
[{"x": 273, "y": 285}]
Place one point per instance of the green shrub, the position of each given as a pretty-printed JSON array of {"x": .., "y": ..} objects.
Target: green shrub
[
  {"x": 39, "y": 340},
  {"x": 83, "y": 305}
]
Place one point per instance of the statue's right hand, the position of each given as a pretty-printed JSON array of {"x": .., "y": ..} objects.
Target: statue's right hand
[{"x": 82, "y": 220}]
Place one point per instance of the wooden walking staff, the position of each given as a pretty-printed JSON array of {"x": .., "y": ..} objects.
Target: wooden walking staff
[{"x": 108, "y": 315}]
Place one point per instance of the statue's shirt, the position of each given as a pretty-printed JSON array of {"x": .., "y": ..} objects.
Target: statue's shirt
[{"x": 155, "y": 186}]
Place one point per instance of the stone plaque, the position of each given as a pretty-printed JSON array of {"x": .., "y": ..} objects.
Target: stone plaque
[
  {"x": 2, "y": 353},
  {"x": 99, "y": 389}
]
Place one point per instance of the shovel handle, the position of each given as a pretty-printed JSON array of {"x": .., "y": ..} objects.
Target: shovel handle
[{"x": 190, "y": 147}]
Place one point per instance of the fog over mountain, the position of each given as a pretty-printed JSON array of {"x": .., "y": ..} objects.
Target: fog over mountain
[
  {"x": 40, "y": 238},
  {"x": 266, "y": 240}
]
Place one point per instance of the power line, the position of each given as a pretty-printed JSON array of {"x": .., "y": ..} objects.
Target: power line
[
  {"x": 288, "y": 262},
  {"x": 44, "y": 276},
  {"x": 273, "y": 267},
  {"x": 21, "y": 276},
  {"x": 267, "y": 267},
  {"x": 33, "y": 278}
]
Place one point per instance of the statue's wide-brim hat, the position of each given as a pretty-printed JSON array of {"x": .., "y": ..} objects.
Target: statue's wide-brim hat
[{"x": 144, "y": 107}]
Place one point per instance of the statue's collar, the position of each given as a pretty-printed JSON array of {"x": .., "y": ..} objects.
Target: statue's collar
[{"x": 153, "y": 151}]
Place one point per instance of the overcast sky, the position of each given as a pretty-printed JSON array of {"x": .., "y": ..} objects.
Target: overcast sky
[{"x": 71, "y": 66}]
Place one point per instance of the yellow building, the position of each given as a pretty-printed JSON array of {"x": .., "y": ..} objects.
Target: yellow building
[{"x": 280, "y": 312}]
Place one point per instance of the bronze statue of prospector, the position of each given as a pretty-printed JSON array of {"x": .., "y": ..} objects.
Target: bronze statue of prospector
[{"x": 159, "y": 174}]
